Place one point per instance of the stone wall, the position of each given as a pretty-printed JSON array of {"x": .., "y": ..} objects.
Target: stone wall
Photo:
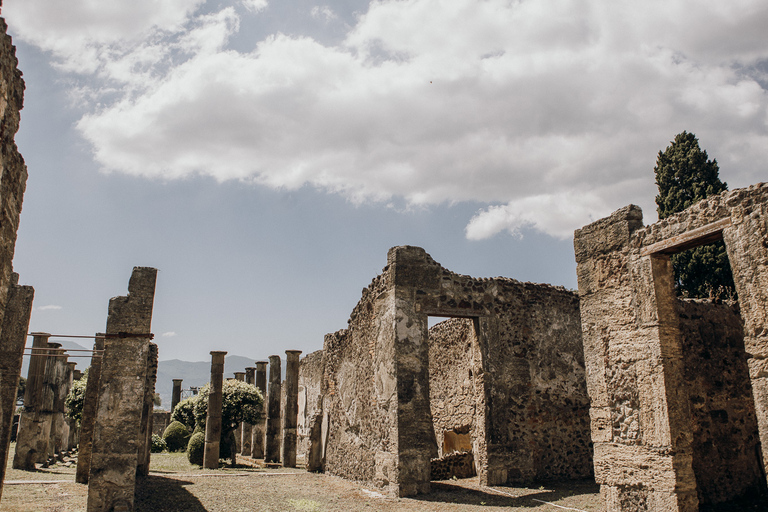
[
  {"x": 310, "y": 406},
  {"x": 642, "y": 417},
  {"x": 516, "y": 378}
]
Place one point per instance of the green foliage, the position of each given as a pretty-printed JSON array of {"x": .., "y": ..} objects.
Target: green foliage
[
  {"x": 76, "y": 398},
  {"x": 156, "y": 400},
  {"x": 684, "y": 176},
  {"x": 158, "y": 444},
  {"x": 176, "y": 436},
  {"x": 240, "y": 402},
  {"x": 184, "y": 412},
  {"x": 196, "y": 448}
]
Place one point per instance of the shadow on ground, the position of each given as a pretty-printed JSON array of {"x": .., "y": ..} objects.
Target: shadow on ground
[
  {"x": 161, "y": 494},
  {"x": 456, "y": 492}
]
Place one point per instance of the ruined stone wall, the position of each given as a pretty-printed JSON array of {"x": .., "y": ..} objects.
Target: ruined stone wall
[
  {"x": 725, "y": 436},
  {"x": 310, "y": 399},
  {"x": 642, "y": 416},
  {"x": 528, "y": 410}
]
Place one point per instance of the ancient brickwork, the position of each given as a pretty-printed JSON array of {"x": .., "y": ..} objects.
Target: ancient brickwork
[
  {"x": 643, "y": 419},
  {"x": 90, "y": 406},
  {"x": 310, "y": 400},
  {"x": 526, "y": 406},
  {"x": 34, "y": 429},
  {"x": 13, "y": 337},
  {"x": 116, "y": 434},
  {"x": 146, "y": 427}
]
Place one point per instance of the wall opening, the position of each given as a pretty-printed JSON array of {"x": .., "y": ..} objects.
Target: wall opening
[
  {"x": 726, "y": 451},
  {"x": 454, "y": 357}
]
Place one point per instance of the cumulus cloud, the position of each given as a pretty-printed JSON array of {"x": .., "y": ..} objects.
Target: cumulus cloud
[
  {"x": 324, "y": 13},
  {"x": 49, "y": 307},
  {"x": 255, "y": 5},
  {"x": 552, "y": 111}
]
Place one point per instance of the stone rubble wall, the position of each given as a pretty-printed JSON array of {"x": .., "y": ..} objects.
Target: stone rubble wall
[
  {"x": 524, "y": 399},
  {"x": 458, "y": 465},
  {"x": 642, "y": 416},
  {"x": 310, "y": 400}
]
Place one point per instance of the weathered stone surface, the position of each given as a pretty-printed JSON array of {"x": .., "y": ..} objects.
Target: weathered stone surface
[
  {"x": 34, "y": 429},
  {"x": 453, "y": 465},
  {"x": 673, "y": 421},
  {"x": 213, "y": 419},
  {"x": 176, "y": 395},
  {"x": 260, "y": 428},
  {"x": 310, "y": 410},
  {"x": 291, "y": 409},
  {"x": 117, "y": 437},
  {"x": 391, "y": 389},
  {"x": 90, "y": 406},
  {"x": 246, "y": 441},
  {"x": 272, "y": 437},
  {"x": 145, "y": 430},
  {"x": 13, "y": 337}
]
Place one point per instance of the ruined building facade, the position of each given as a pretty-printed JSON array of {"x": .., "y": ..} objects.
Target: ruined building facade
[
  {"x": 505, "y": 379},
  {"x": 679, "y": 391}
]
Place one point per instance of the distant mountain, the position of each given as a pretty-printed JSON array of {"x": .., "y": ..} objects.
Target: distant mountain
[{"x": 196, "y": 374}]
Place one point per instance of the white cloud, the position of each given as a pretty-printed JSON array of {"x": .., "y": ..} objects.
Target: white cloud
[
  {"x": 255, "y": 5},
  {"x": 553, "y": 109},
  {"x": 169, "y": 334},
  {"x": 49, "y": 307},
  {"x": 324, "y": 13}
]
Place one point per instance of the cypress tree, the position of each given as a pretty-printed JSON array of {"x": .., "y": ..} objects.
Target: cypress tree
[{"x": 685, "y": 175}]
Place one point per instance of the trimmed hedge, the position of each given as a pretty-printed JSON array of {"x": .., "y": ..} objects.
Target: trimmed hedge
[
  {"x": 176, "y": 436},
  {"x": 196, "y": 448},
  {"x": 158, "y": 444}
]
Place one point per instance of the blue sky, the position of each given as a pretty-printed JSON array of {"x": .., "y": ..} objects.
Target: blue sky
[{"x": 264, "y": 155}]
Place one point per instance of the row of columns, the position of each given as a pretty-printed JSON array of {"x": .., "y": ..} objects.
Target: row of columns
[{"x": 263, "y": 439}]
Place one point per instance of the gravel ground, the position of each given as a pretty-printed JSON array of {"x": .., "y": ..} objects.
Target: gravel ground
[{"x": 176, "y": 486}]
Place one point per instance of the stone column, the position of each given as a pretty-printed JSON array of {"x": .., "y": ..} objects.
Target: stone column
[
  {"x": 13, "y": 337},
  {"x": 213, "y": 420},
  {"x": 145, "y": 431},
  {"x": 272, "y": 441},
  {"x": 239, "y": 376},
  {"x": 116, "y": 440},
  {"x": 260, "y": 427},
  {"x": 247, "y": 436},
  {"x": 291, "y": 407},
  {"x": 67, "y": 430},
  {"x": 59, "y": 390},
  {"x": 90, "y": 404},
  {"x": 34, "y": 431},
  {"x": 176, "y": 396}
]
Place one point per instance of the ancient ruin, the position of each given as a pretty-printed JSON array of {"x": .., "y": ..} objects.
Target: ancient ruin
[
  {"x": 260, "y": 428},
  {"x": 509, "y": 375},
  {"x": 213, "y": 418},
  {"x": 272, "y": 436},
  {"x": 90, "y": 405},
  {"x": 679, "y": 391},
  {"x": 291, "y": 407},
  {"x": 118, "y": 441}
]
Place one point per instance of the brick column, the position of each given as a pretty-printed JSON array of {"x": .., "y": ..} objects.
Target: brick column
[
  {"x": 32, "y": 437},
  {"x": 247, "y": 436},
  {"x": 260, "y": 428},
  {"x": 291, "y": 407},
  {"x": 145, "y": 430},
  {"x": 213, "y": 420},
  {"x": 176, "y": 397},
  {"x": 272, "y": 441},
  {"x": 13, "y": 337},
  {"x": 240, "y": 377},
  {"x": 116, "y": 439},
  {"x": 88, "y": 420}
]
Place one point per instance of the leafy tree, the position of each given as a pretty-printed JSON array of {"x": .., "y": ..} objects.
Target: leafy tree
[
  {"x": 240, "y": 402},
  {"x": 685, "y": 175},
  {"x": 76, "y": 398},
  {"x": 184, "y": 412},
  {"x": 156, "y": 400}
]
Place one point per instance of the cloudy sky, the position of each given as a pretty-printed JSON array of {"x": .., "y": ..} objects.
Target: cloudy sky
[{"x": 265, "y": 154}]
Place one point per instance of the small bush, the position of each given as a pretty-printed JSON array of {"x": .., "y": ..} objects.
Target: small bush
[
  {"x": 158, "y": 444},
  {"x": 196, "y": 449},
  {"x": 176, "y": 436}
]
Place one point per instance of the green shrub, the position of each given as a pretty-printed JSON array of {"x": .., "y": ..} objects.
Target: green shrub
[
  {"x": 184, "y": 412},
  {"x": 176, "y": 436},
  {"x": 158, "y": 444},
  {"x": 196, "y": 449}
]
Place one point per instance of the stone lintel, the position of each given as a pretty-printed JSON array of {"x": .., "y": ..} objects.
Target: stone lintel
[{"x": 690, "y": 239}]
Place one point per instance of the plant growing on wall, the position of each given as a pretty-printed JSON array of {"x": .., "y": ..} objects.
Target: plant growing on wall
[{"x": 684, "y": 176}]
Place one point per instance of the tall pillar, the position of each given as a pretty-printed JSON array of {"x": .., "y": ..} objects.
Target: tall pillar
[
  {"x": 272, "y": 441},
  {"x": 68, "y": 424},
  {"x": 176, "y": 396},
  {"x": 145, "y": 431},
  {"x": 116, "y": 441},
  {"x": 32, "y": 437},
  {"x": 13, "y": 337},
  {"x": 260, "y": 427},
  {"x": 213, "y": 420},
  {"x": 240, "y": 377},
  {"x": 247, "y": 435},
  {"x": 88, "y": 419},
  {"x": 291, "y": 407},
  {"x": 60, "y": 388}
]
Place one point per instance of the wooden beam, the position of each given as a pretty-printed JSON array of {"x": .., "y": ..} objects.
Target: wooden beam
[{"x": 690, "y": 239}]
